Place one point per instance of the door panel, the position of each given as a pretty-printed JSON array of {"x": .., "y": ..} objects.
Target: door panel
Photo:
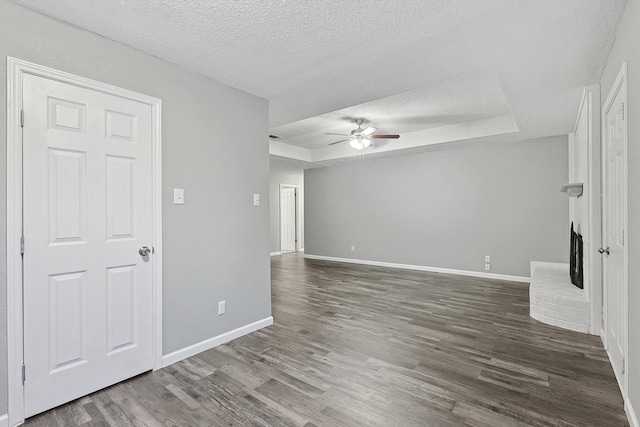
[
  {"x": 120, "y": 307},
  {"x": 67, "y": 320},
  {"x": 87, "y": 211},
  {"x": 614, "y": 208},
  {"x": 120, "y": 197},
  {"x": 67, "y": 196}
]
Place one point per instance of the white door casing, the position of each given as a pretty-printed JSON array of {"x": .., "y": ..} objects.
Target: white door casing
[
  {"x": 615, "y": 208},
  {"x": 91, "y": 200},
  {"x": 287, "y": 219}
]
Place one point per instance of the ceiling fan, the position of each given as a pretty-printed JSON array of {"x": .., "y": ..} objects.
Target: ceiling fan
[{"x": 361, "y": 138}]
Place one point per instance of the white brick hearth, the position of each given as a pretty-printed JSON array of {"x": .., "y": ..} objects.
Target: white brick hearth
[{"x": 554, "y": 300}]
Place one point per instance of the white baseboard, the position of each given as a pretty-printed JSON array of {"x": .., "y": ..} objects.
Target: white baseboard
[
  {"x": 210, "y": 343},
  {"x": 423, "y": 268},
  {"x": 4, "y": 420},
  {"x": 276, "y": 253},
  {"x": 631, "y": 414}
]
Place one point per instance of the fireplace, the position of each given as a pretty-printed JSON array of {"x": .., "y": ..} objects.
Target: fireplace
[{"x": 575, "y": 259}]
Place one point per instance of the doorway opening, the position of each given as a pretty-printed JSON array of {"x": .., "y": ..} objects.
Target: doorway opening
[{"x": 290, "y": 230}]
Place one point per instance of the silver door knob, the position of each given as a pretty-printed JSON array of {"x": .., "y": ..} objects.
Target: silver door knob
[
  {"x": 144, "y": 251},
  {"x": 604, "y": 251}
]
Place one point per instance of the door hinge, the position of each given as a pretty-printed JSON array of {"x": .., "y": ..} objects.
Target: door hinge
[
  {"x": 24, "y": 374},
  {"x": 623, "y": 365},
  {"x": 21, "y": 245},
  {"x": 21, "y": 118}
]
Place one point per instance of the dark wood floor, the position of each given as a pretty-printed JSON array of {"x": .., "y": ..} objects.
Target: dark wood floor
[{"x": 366, "y": 346}]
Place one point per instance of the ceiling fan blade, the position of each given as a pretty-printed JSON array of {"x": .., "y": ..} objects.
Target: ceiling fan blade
[
  {"x": 337, "y": 142},
  {"x": 340, "y": 134},
  {"x": 368, "y": 131},
  {"x": 384, "y": 136}
]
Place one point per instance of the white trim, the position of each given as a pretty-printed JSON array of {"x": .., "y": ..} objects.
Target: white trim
[
  {"x": 423, "y": 268},
  {"x": 595, "y": 205},
  {"x": 16, "y": 69},
  {"x": 623, "y": 73},
  {"x": 15, "y": 400},
  {"x": 156, "y": 159},
  {"x": 210, "y": 343},
  {"x": 4, "y": 420},
  {"x": 631, "y": 414},
  {"x": 620, "y": 84},
  {"x": 275, "y": 253},
  {"x": 585, "y": 95},
  {"x": 622, "y": 379}
]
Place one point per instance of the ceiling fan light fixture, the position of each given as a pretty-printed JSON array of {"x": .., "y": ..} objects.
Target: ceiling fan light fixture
[
  {"x": 360, "y": 138},
  {"x": 356, "y": 143}
]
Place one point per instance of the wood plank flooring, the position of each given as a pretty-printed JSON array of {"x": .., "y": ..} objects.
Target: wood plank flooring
[{"x": 366, "y": 346}]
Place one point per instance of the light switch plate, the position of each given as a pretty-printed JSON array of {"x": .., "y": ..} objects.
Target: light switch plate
[
  {"x": 256, "y": 200},
  {"x": 178, "y": 196}
]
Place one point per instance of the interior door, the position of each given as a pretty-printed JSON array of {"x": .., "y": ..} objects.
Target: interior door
[
  {"x": 87, "y": 212},
  {"x": 614, "y": 208},
  {"x": 288, "y": 219}
]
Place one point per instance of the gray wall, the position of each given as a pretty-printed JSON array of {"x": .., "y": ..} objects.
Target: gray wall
[
  {"x": 277, "y": 177},
  {"x": 627, "y": 48},
  {"x": 446, "y": 208},
  {"x": 216, "y": 246}
]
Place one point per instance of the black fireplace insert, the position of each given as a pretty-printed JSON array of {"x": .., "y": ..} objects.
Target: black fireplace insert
[{"x": 575, "y": 259}]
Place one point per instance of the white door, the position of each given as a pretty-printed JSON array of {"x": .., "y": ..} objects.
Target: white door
[
  {"x": 288, "y": 219},
  {"x": 87, "y": 212},
  {"x": 614, "y": 209}
]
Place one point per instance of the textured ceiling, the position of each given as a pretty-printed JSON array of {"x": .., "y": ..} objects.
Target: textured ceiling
[
  {"x": 309, "y": 58},
  {"x": 454, "y": 101}
]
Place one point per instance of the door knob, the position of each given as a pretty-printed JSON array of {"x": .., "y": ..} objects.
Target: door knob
[
  {"x": 604, "y": 251},
  {"x": 144, "y": 251}
]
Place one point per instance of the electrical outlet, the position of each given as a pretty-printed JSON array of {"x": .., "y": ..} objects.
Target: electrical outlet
[
  {"x": 487, "y": 267},
  {"x": 353, "y": 248},
  {"x": 487, "y": 258},
  {"x": 221, "y": 307}
]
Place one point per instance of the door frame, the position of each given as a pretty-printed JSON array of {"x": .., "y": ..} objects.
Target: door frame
[
  {"x": 620, "y": 85},
  {"x": 298, "y": 244},
  {"x": 16, "y": 70}
]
